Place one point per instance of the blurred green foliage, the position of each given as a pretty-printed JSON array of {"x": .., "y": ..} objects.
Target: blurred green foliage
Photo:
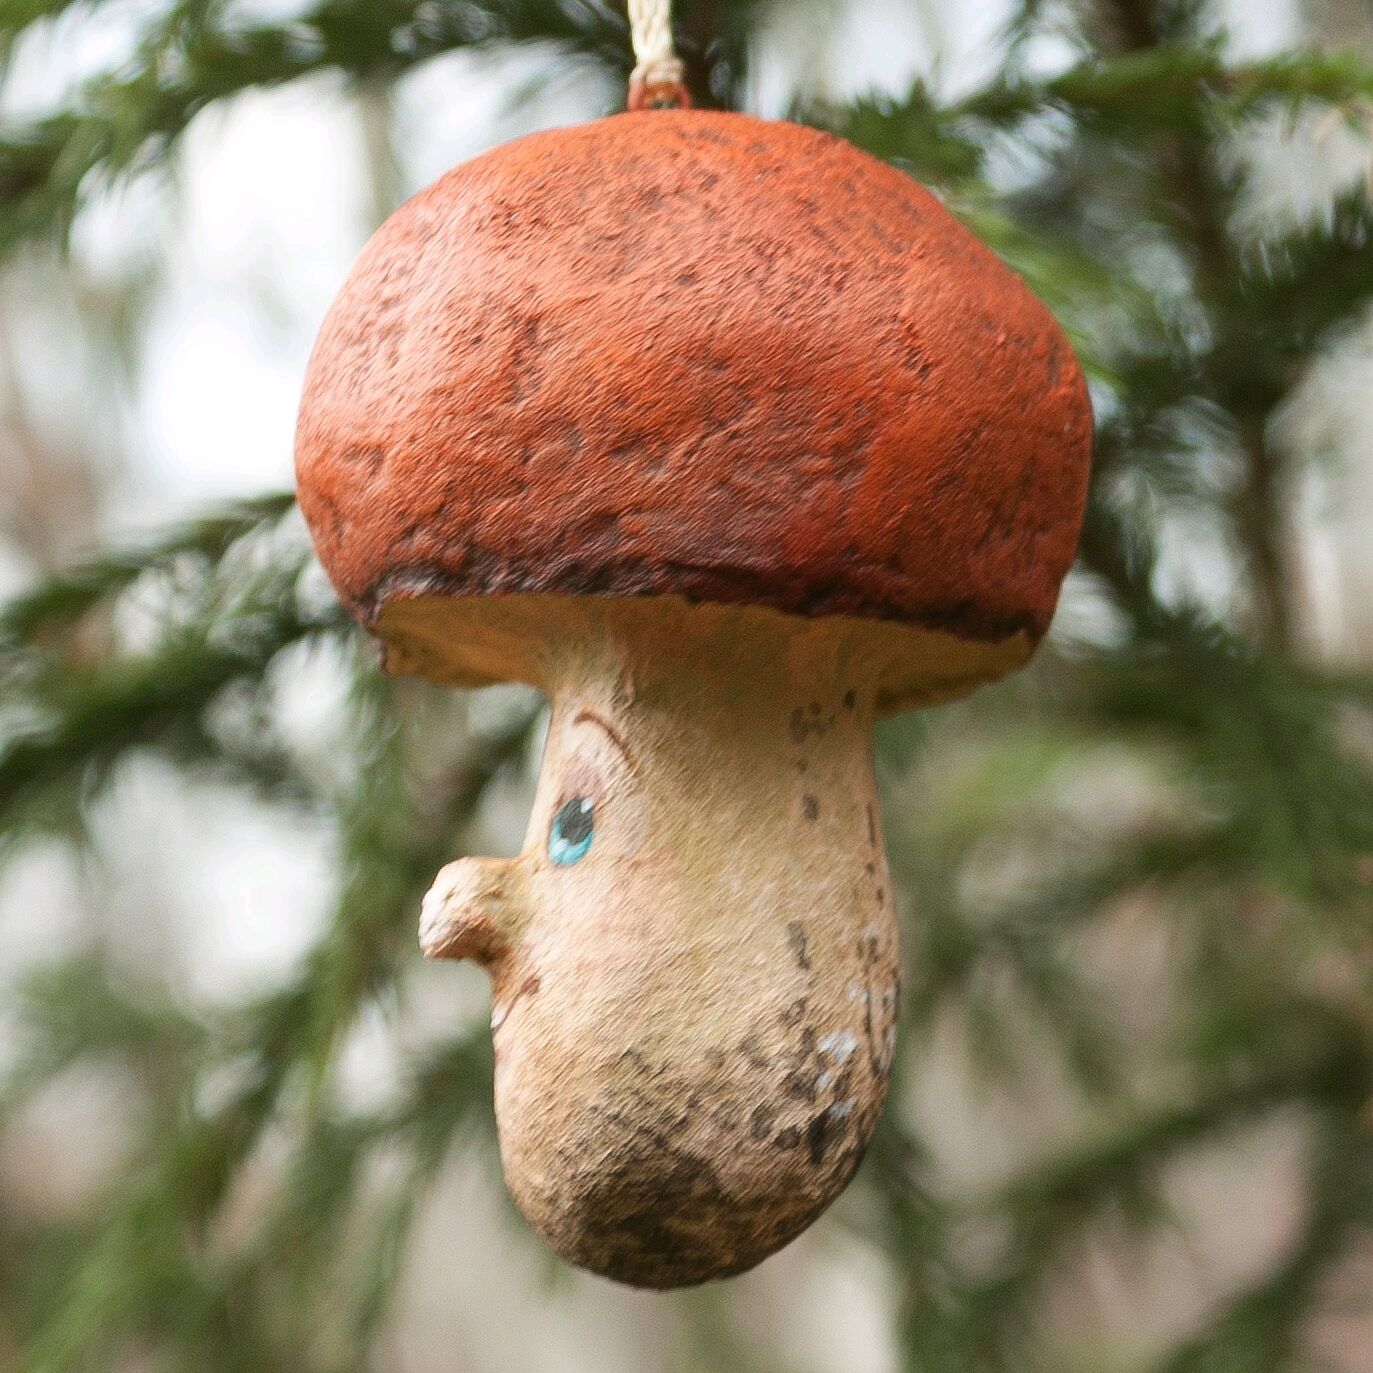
[{"x": 1114, "y": 186}]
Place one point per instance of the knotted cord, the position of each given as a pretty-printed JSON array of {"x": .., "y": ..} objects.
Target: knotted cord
[{"x": 658, "y": 78}]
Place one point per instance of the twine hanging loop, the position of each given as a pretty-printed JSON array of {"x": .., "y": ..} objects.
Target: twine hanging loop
[{"x": 658, "y": 81}]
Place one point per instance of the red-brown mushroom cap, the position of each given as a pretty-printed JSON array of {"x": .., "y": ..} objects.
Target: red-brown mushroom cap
[{"x": 699, "y": 355}]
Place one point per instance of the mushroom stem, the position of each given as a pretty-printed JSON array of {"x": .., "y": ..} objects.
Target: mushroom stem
[{"x": 694, "y": 958}]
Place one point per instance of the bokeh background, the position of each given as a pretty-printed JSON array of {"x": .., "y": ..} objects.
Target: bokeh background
[{"x": 243, "y": 1127}]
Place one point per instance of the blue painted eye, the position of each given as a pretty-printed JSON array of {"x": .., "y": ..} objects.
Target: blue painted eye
[{"x": 570, "y": 835}]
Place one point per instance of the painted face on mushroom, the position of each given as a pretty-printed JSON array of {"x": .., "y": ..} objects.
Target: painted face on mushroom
[
  {"x": 706, "y": 994},
  {"x": 733, "y": 443}
]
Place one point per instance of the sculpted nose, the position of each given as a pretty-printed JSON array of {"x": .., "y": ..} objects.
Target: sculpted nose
[{"x": 470, "y": 912}]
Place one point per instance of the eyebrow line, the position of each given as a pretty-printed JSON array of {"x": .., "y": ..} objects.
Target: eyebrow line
[{"x": 591, "y": 718}]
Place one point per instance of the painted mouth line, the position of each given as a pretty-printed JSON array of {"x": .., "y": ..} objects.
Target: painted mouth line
[{"x": 500, "y": 1014}]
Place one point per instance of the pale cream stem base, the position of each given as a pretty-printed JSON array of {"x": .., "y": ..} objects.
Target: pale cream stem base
[{"x": 694, "y": 1021}]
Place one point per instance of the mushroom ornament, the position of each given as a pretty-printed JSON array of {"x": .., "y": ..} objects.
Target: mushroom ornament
[{"x": 730, "y": 439}]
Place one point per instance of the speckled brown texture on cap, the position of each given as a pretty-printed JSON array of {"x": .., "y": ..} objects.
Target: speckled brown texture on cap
[{"x": 694, "y": 353}]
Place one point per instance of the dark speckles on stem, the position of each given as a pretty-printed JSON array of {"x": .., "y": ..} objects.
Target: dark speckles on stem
[
  {"x": 850, "y": 700},
  {"x": 869, "y": 1037},
  {"x": 817, "y": 1133},
  {"x": 634, "y": 1211},
  {"x": 881, "y": 897},
  {"x": 792, "y": 1015},
  {"x": 726, "y": 1118},
  {"x": 760, "y": 1124},
  {"x": 809, "y": 720},
  {"x": 796, "y": 937},
  {"x": 753, "y": 1052},
  {"x": 872, "y": 826},
  {"x": 810, "y": 806},
  {"x": 788, "y": 1138}
]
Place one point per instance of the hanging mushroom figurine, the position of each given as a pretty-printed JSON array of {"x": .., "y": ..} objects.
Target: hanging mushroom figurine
[{"x": 732, "y": 440}]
